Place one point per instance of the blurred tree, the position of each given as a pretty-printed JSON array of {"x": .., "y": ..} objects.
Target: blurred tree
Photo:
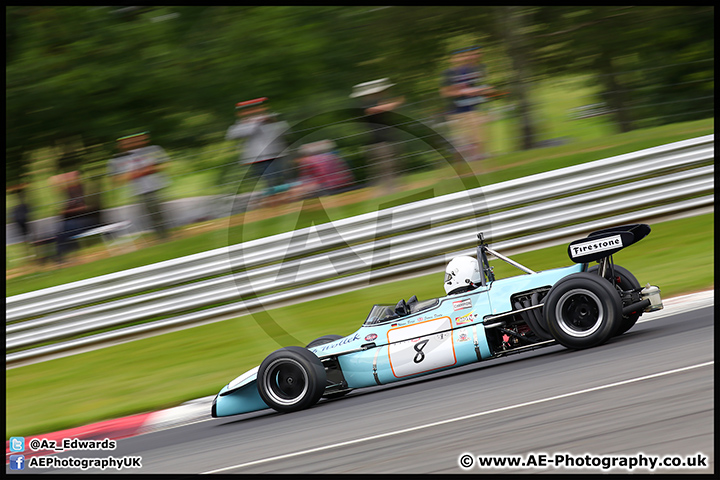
[
  {"x": 676, "y": 76},
  {"x": 78, "y": 72},
  {"x": 97, "y": 73},
  {"x": 650, "y": 62},
  {"x": 513, "y": 23}
]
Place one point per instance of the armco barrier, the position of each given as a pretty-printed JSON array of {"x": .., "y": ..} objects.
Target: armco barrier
[{"x": 352, "y": 252}]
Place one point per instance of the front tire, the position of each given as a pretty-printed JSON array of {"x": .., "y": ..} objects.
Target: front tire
[
  {"x": 291, "y": 379},
  {"x": 582, "y": 310}
]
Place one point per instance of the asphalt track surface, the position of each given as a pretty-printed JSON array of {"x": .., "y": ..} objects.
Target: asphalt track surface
[{"x": 647, "y": 392}]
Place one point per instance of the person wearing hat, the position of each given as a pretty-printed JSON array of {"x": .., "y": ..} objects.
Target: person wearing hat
[
  {"x": 376, "y": 104},
  {"x": 139, "y": 164},
  {"x": 464, "y": 86},
  {"x": 264, "y": 145}
]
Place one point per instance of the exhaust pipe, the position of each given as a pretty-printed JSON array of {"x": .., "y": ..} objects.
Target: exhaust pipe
[{"x": 641, "y": 305}]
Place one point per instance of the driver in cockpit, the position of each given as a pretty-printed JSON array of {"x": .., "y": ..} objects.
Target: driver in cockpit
[{"x": 462, "y": 274}]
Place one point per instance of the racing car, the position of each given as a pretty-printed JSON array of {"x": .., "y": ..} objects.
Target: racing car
[{"x": 481, "y": 317}]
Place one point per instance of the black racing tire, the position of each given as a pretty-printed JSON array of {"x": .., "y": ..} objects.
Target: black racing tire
[
  {"x": 539, "y": 317},
  {"x": 582, "y": 310},
  {"x": 531, "y": 319},
  {"x": 624, "y": 280},
  {"x": 291, "y": 379},
  {"x": 323, "y": 340}
]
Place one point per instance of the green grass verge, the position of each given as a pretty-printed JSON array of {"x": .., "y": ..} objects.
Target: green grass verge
[
  {"x": 497, "y": 169},
  {"x": 168, "y": 369}
]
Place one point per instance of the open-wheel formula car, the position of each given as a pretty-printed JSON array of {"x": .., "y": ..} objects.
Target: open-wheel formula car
[{"x": 480, "y": 318}]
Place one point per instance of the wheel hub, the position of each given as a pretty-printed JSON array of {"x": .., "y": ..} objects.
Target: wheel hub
[
  {"x": 286, "y": 382},
  {"x": 579, "y": 312}
]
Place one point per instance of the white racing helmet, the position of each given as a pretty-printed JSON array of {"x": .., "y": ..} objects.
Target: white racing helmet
[{"x": 462, "y": 271}]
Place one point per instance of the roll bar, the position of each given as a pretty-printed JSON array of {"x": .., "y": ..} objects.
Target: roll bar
[{"x": 483, "y": 250}]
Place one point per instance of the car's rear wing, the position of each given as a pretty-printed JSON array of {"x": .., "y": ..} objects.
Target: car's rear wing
[{"x": 603, "y": 243}]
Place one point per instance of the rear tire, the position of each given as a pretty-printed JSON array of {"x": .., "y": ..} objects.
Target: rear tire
[
  {"x": 291, "y": 379},
  {"x": 582, "y": 310},
  {"x": 624, "y": 280}
]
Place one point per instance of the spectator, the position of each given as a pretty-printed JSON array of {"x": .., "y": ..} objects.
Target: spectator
[
  {"x": 140, "y": 165},
  {"x": 264, "y": 145},
  {"x": 21, "y": 217},
  {"x": 73, "y": 215},
  {"x": 338, "y": 177},
  {"x": 322, "y": 172},
  {"x": 310, "y": 173},
  {"x": 464, "y": 85},
  {"x": 377, "y": 105},
  {"x": 93, "y": 199}
]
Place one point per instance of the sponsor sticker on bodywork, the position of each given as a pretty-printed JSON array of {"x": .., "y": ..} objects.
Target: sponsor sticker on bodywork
[
  {"x": 463, "y": 335},
  {"x": 467, "y": 318},
  {"x": 331, "y": 345},
  {"x": 462, "y": 304}
]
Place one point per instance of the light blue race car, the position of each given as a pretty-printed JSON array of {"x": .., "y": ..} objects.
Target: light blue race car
[{"x": 481, "y": 317}]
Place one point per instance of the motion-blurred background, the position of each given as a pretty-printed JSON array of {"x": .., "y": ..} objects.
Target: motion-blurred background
[
  {"x": 80, "y": 77},
  {"x": 572, "y": 85}
]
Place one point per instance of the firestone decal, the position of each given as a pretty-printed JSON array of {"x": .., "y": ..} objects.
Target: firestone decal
[{"x": 608, "y": 243}]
